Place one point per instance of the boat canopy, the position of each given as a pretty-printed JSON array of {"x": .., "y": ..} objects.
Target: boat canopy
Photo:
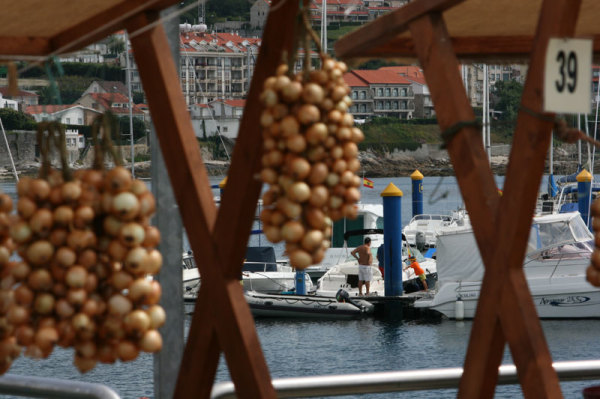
[
  {"x": 260, "y": 259},
  {"x": 458, "y": 257}
]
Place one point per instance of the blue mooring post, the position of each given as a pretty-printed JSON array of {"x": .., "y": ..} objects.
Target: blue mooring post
[
  {"x": 584, "y": 185},
  {"x": 392, "y": 239},
  {"x": 417, "y": 193},
  {"x": 300, "y": 282}
]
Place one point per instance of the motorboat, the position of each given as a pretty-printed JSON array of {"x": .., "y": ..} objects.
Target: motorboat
[
  {"x": 306, "y": 306},
  {"x": 261, "y": 272},
  {"x": 558, "y": 253},
  {"x": 422, "y": 230},
  {"x": 369, "y": 221},
  {"x": 345, "y": 275}
]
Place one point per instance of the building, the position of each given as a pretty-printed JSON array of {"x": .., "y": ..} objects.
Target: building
[
  {"x": 71, "y": 114},
  {"x": 117, "y": 103},
  {"x": 423, "y": 103},
  {"x": 23, "y": 98},
  {"x": 259, "y": 12},
  {"x": 5, "y": 103},
  {"x": 106, "y": 86},
  {"x": 380, "y": 93},
  {"x": 218, "y": 117},
  {"x": 473, "y": 78}
]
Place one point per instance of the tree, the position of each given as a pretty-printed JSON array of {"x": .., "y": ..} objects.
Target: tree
[
  {"x": 507, "y": 98},
  {"x": 70, "y": 89},
  {"x": 16, "y": 120},
  {"x": 137, "y": 97},
  {"x": 139, "y": 128}
]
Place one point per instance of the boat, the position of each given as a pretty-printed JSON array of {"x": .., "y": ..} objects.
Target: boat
[
  {"x": 558, "y": 253},
  {"x": 370, "y": 218},
  {"x": 261, "y": 272},
  {"x": 306, "y": 306},
  {"x": 345, "y": 274},
  {"x": 422, "y": 230}
]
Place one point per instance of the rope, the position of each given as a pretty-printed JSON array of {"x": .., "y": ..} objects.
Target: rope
[{"x": 448, "y": 134}]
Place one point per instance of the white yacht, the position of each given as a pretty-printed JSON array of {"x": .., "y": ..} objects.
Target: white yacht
[
  {"x": 558, "y": 253},
  {"x": 422, "y": 230}
]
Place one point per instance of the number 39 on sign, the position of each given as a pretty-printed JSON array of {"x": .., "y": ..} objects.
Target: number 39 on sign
[{"x": 568, "y": 76}]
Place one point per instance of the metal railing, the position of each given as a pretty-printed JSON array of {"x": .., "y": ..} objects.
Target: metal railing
[
  {"x": 53, "y": 388},
  {"x": 399, "y": 381}
]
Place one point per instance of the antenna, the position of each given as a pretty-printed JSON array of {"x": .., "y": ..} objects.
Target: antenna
[{"x": 201, "y": 12}]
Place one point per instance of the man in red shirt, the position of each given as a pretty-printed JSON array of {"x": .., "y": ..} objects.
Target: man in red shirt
[{"x": 418, "y": 270}]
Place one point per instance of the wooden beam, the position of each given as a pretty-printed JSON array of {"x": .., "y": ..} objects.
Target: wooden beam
[
  {"x": 103, "y": 24},
  {"x": 525, "y": 168},
  {"x": 230, "y": 312},
  {"x": 27, "y": 46},
  {"x": 370, "y": 36}
]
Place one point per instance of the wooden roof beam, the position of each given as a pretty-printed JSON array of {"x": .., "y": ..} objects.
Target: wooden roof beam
[{"x": 361, "y": 41}]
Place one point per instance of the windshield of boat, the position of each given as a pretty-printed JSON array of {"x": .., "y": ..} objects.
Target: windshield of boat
[{"x": 544, "y": 235}]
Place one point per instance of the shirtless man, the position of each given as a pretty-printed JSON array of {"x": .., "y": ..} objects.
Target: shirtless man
[{"x": 365, "y": 259}]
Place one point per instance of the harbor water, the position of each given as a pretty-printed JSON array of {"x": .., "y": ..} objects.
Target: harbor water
[{"x": 307, "y": 348}]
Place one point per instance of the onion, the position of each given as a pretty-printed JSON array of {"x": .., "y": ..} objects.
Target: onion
[
  {"x": 299, "y": 168},
  {"x": 151, "y": 341},
  {"x": 316, "y": 154},
  {"x": 153, "y": 262},
  {"x": 112, "y": 225},
  {"x": 316, "y": 133},
  {"x": 44, "y": 303},
  {"x": 268, "y": 176},
  {"x": 63, "y": 215},
  {"x": 20, "y": 271},
  {"x": 41, "y": 222},
  {"x": 76, "y": 296},
  {"x": 91, "y": 282},
  {"x": 106, "y": 354},
  {"x": 312, "y": 240},
  {"x": 292, "y": 231},
  {"x": 82, "y": 322},
  {"x": 332, "y": 179},
  {"x": 319, "y": 196},
  {"x": 71, "y": 191},
  {"x": 64, "y": 309},
  {"x": 268, "y": 97},
  {"x": 347, "y": 120},
  {"x": 315, "y": 217},
  {"x": 273, "y": 233},
  {"x": 343, "y": 133},
  {"x": 352, "y": 195},
  {"x": 151, "y": 237},
  {"x": 127, "y": 351},
  {"x": 4, "y": 255},
  {"x": 337, "y": 152},
  {"x": 40, "y": 280},
  {"x": 157, "y": 316},
  {"x": 289, "y": 126},
  {"x": 24, "y": 335},
  {"x": 154, "y": 297},
  {"x": 289, "y": 208},
  {"x": 83, "y": 216},
  {"x": 58, "y": 237},
  {"x": 147, "y": 204},
  {"x": 26, "y": 207},
  {"x": 135, "y": 260},
  {"x": 39, "y": 189},
  {"x": 277, "y": 218},
  {"x": 137, "y": 322},
  {"x": 77, "y": 240},
  {"x": 335, "y": 202},
  {"x": 299, "y": 192},
  {"x": 46, "y": 337},
  {"x": 23, "y": 295},
  {"x": 119, "y": 305},
  {"x": 347, "y": 178},
  {"x": 138, "y": 187},
  {"x": 132, "y": 234},
  {"x": 84, "y": 364},
  {"x": 76, "y": 276},
  {"x": 6, "y": 203},
  {"x": 339, "y": 166},
  {"x": 87, "y": 258},
  {"x": 17, "y": 315},
  {"x": 357, "y": 135},
  {"x": 118, "y": 179},
  {"x": 139, "y": 289},
  {"x": 55, "y": 196},
  {"x": 350, "y": 150},
  {"x": 126, "y": 206},
  {"x": 313, "y": 93},
  {"x": 24, "y": 186},
  {"x": 334, "y": 116},
  {"x": 300, "y": 259},
  {"x": 296, "y": 143},
  {"x": 308, "y": 114},
  {"x": 86, "y": 349},
  {"x": 65, "y": 256},
  {"x": 266, "y": 118}
]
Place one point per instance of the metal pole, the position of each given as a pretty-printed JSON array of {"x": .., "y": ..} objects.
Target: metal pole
[
  {"x": 168, "y": 221},
  {"x": 128, "y": 76},
  {"x": 578, "y": 141},
  {"x": 12, "y": 162},
  {"x": 402, "y": 381}
]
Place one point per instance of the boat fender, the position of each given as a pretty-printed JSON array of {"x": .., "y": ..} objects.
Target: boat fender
[{"x": 459, "y": 309}]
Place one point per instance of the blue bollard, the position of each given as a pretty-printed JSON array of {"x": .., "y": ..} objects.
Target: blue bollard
[
  {"x": 392, "y": 238},
  {"x": 300, "y": 282},
  {"x": 417, "y": 193},
  {"x": 584, "y": 185}
]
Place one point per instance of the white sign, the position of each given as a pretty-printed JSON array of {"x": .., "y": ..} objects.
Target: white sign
[{"x": 568, "y": 76}]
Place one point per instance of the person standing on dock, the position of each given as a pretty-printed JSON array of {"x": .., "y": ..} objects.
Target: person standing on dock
[
  {"x": 418, "y": 271},
  {"x": 365, "y": 260}
]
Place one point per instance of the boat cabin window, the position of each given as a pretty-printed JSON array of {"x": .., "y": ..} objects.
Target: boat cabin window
[
  {"x": 543, "y": 235},
  {"x": 575, "y": 250},
  {"x": 188, "y": 262}
]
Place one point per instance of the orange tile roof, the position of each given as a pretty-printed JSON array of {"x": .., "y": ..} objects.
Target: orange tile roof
[
  {"x": 354, "y": 81},
  {"x": 21, "y": 93},
  {"x": 381, "y": 77},
  {"x": 420, "y": 80},
  {"x": 405, "y": 70}
]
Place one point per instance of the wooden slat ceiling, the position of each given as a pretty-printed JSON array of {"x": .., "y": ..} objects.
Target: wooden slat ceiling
[
  {"x": 500, "y": 30},
  {"x": 37, "y": 28}
]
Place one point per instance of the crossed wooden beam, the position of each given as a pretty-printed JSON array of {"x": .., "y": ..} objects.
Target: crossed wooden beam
[
  {"x": 222, "y": 320},
  {"x": 505, "y": 312}
]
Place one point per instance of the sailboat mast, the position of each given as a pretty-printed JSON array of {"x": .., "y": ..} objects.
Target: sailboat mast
[{"x": 128, "y": 78}]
